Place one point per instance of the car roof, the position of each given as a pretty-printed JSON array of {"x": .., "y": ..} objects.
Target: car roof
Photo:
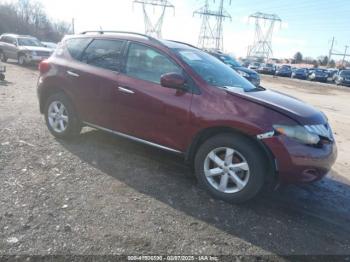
[
  {"x": 131, "y": 36},
  {"x": 18, "y": 36}
]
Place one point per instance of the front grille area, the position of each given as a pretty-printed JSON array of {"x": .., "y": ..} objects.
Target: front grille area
[
  {"x": 43, "y": 53},
  {"x": 321, "y": 130}
]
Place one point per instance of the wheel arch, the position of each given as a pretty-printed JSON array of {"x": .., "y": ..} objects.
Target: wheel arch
[
  {"x": 46, "y": 93},
  {"x": 210, "y": 132}
]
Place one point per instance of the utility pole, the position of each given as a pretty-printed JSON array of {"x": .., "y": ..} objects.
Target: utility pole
[
  {"x": 333, "y": 53},
  {"x": 154, "y": 29},
  {"x": 211, "y": 34},
  {"x": 330, "y": 52},
  {"x": 346, "y": 49},
  {"x": 262, "y": 46}
]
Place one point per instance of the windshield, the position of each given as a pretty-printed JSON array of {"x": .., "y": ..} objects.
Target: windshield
[
  {"x": 287, "y": 67},
  {"x": 302, "y": 70},
  {"x": 345, "y": 73},
  {"x": 229, "y": 60},
  {"x": 213, "y": 71},
  {"x": 29, "y": 42}
]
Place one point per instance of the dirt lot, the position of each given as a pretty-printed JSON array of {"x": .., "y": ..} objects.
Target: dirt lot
[{"x": 104, "y": 195}]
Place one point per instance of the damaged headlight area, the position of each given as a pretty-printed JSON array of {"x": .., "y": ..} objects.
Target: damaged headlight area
[{"x": 299, "y": 133}]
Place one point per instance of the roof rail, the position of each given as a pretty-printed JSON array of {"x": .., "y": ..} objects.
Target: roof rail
[
  {"x": 101, "y": 32},
  {"x": 178, "y": 42}
]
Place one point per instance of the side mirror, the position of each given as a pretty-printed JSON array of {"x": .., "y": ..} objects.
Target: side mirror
[
  {"x": 173, "y": 80},
  {"x": 14, "y": 43}
]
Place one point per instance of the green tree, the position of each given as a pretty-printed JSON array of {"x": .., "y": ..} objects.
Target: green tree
[{"x": 298, "y": 58}]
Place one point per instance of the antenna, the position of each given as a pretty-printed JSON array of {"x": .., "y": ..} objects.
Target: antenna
[
  {"x": 154, "y": 29},
  {"x": 264, "y": 26},
  {"x": 211, "y": 34}
]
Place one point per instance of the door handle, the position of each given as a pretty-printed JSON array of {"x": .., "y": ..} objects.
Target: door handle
[
  {"x": 125, "y": 90},
  {"x": 72, "y": 74}
]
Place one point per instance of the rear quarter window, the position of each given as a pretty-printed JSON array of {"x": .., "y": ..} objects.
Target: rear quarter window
[{"x": 76, "y": 46}]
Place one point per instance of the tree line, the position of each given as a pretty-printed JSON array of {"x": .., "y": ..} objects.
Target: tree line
[
  {"x": 28, "y": 17},
  {"x": 320, "y": 61}
]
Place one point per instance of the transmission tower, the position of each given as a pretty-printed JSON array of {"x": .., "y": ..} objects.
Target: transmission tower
[
  {"x": 264, "y": 26},
  {"x": 211, "y": 34},
  {"x": 154, "y": 28}
]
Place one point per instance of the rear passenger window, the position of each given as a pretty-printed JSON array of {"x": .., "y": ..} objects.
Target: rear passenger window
[
  {"x": 104, "y": 53},
  {"x": 76, "y": 46},
  {"x": 147, "y": 64}
]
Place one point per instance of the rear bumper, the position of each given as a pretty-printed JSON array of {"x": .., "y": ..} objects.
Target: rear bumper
[
  {"x": 298, "y": 163},
  {"x": 303, "y": 77},
  {"x": 284, "y": 74}
]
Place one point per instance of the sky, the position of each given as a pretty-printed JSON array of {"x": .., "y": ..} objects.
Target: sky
[{"x": 308, "y": 26}]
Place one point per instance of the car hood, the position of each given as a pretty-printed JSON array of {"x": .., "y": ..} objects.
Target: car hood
[
  {"x": 245, "y": 70},
  {"x": 36, "y": 48},
  {"x": 287, "y": 105}
]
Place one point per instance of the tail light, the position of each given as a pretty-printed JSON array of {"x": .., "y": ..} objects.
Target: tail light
[{"x": 44, "y": 67}]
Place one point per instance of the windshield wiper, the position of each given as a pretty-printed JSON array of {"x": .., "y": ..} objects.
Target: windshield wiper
[{"x": 257, "y": 89}]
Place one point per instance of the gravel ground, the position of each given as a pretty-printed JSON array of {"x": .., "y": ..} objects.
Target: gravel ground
[{"x": 101, "y": 194}]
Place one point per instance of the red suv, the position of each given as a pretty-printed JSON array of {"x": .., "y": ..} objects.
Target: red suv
[{"x": 176, "y": 97}]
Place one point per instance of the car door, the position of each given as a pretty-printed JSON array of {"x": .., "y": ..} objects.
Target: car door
[
  {"x": 144, "y": 108},
  {"x": 94, "y": 81},
  {"x": 10, "y": 49}
]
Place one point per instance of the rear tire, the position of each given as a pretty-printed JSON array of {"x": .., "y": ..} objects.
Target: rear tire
[
  {"x": 61, "y": 117},
  {"x": 242, "y": 183}
]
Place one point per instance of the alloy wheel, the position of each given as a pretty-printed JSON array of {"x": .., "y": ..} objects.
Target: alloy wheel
[
  {"x": 58, "y": 117},
  {"x": 226, "y": 170}
]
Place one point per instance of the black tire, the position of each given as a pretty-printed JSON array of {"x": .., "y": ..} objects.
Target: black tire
[
  {"x": 73, "y": 127},
  {"x": 253, "y": 155},
  {"x": 3, "y": 58}
]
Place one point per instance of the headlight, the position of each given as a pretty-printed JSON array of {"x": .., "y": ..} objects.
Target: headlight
[
  {"x": 298, "y": 133},
  {"x": 244, "y": 74}
]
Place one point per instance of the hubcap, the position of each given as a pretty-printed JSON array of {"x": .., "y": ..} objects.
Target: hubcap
[
  {"x": 58, "y": 117},
  {"x": 226, "y": 170}
]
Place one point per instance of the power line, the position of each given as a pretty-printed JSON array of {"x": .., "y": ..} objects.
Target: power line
[
  {"x": 154, "y": 29},
  {"x": 262, "y": 46},
  {"x": 211, "y": 34}
]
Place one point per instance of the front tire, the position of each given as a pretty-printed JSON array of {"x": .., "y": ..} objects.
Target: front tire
[
  {"x": 61, "y": 117},
  {"x": 22, "y": 60},
  {"x": 231, "y": 168},
  {"x": 3, "y": 58}
]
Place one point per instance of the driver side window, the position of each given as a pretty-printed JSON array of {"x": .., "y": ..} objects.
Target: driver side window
[{"x": 147, "y": 64}]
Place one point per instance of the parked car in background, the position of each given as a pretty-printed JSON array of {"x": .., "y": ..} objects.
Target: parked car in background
[
  {"x": 284, "y": 70},
  {"x": 320, "y": 75},
  {"x": 343, "y": 78},
  {"x": 24, "y": 49},
  {"x": 269, "y": 69},
  {"x": 250, "y": 75},
  {"x": 254, "y": 66},
  {"x": 332, "y": 73},
  {"x": 178, "y": 98},
  {"x": 301, "y": 73},
  {"x": 50, "y": 45}
]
